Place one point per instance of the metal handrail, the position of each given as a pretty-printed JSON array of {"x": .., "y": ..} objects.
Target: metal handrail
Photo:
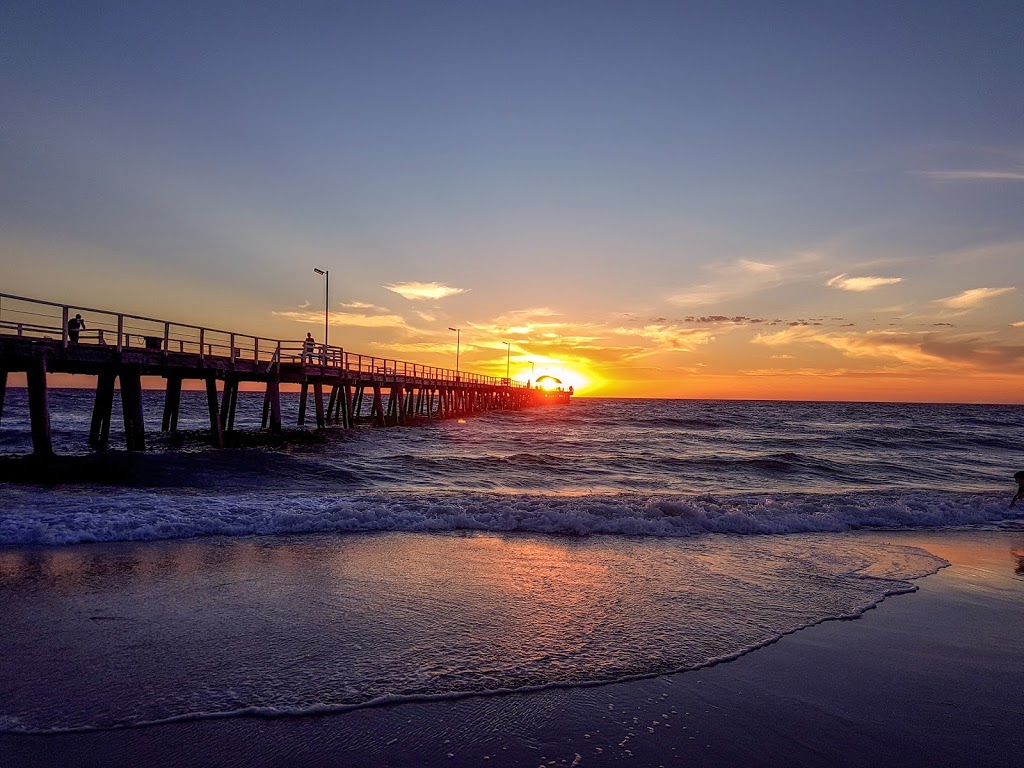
[{"x": 164, "y": 337}]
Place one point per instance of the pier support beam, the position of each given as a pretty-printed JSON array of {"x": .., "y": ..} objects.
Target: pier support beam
[
  {"x": 38, "y": 408},
  {"x": 102, "y": 410},
  {"x": 172, "y": 404},
  {"x": 211, "y": 402},
  {"x": 318, "y": 402},
  {"x": 357, "y": 407},
  {"x": 332, "y": 402},
  {"x": 131, "y": 408},
  {"x": 345, "y": 406},
  {"x": 303, "y": 396},
  {"x": 3, "y": 391},
  {"x": 228, "y": 404},
  {"x": 272, "y": 407},
  {"x": 378, "y": 407}
]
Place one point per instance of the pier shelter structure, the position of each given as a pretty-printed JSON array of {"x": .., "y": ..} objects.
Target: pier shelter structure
[{"x": 119, "y": 349}]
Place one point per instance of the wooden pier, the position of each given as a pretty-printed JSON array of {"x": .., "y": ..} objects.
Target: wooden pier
[{"x": 347, "y": 389}]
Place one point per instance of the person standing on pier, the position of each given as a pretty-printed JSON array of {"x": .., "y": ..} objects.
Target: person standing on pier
[
  {"x": 308, "y": 347},
  {"x": 75, "y": 326}
]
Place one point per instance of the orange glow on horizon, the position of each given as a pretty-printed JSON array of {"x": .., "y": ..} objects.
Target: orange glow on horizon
[{"x": 919, "y": 389}]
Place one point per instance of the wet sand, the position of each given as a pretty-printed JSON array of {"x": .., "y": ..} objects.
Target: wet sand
[{"x": 930, "y": 678}]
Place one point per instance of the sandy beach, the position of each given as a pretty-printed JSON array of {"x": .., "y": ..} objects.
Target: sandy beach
[{"x": 928, "y": 678}]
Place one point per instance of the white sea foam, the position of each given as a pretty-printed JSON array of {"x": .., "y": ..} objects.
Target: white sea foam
[
  {"x": 86, "y": 514},
  {"x": 306, "y": 625}
]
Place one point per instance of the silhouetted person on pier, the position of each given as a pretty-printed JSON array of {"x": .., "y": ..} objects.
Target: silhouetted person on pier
[
  {"x": 1019, "y": 477},
  {"x": 75, "y": 326},
  {"x": 308, "y": 347}
]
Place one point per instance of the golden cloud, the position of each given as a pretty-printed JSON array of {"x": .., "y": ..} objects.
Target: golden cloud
[
  {"x": 424, "y": 291},
  {"x": 846, "y": 283},
  {"x": 669, "y": 337},
  {"x": 972, "y": 298},
  {"x": 923, "y": 350}
]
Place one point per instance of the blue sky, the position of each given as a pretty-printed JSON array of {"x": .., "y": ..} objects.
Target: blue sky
[{"x": 580, "y": 177}]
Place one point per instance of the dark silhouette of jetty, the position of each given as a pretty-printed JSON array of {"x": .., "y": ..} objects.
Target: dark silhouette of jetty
[{"x": 36, "y": 339}]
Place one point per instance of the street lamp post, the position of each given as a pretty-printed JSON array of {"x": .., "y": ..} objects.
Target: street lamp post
[
  {"x": 533, "y": 370},
  {"x": 508, "y": 360},
  {"x": 327, "y": 301},
  {"x": 458, "y": 344}
]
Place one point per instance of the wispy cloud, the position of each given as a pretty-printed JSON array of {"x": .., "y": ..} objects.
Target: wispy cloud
[
  {"x": 919, "y": 350},
  {"x": 1017, "y": 325},
  {"x": 846, "y": 283},
  {"x": 424, "y": 291},
  {"x": 364, "y": 306},
  {"x": 907, "y": 348},
  {"x": 972, "y": 297},
  {"x": 348, "y": 318},
  {"x": 744, "y": 277},
  {"x": 670, "y": 337},
  {"x": 974, "y": 175}
]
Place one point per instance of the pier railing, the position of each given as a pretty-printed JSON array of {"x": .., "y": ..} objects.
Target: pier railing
[{"x": 36, "y": 319}]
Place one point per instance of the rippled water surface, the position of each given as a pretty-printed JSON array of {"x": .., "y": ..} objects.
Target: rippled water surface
[{"x": 658, "y": 467}]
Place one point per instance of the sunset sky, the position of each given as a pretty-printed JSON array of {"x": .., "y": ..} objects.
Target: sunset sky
[{"x": 732, "y": 199}]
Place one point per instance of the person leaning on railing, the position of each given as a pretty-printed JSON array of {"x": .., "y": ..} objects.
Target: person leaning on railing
[{"x": 75, "y": 326}]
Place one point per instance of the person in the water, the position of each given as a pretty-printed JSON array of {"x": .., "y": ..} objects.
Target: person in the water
[{"x": 1019, "y": 477}]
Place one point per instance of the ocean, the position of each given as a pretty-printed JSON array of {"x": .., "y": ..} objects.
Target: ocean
[{"x": 558, "y": 546}]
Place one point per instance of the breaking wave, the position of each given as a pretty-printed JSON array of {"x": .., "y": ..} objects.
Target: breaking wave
[{"x": 70, "y": 516}]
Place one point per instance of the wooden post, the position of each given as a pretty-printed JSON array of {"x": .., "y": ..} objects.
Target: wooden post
[
  {"x": 273, "y": 401},
  {"x": 345, "y": 406},
  {"x": 225, "y": 403},
  {"x": 265, "y": 421},
  {"x": 378, "y": 406},
  {"x": 3, "y": 391},
  {"x": 172, "y": 404},
  {"x": 303, "y": 395},
  {"x": 357, "y": 406},
  {"x": 392, "y": 412},
  {"x": 131, "y": 408},
  {"x": 332, "y": 403},
  {"x": 398, "y": 394},
  {"x": 318, "y": 402},
  {"x": 99, "y": 430},
  {"x": 39, "y": 412},
  {"x": 211, "y": 401},
  {"x": 232, "y": 404}
]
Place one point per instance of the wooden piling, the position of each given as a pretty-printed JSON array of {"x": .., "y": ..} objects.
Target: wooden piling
[
  {"x": 377, "y": 410},
  {"x": 211, "y": 401},
  {"x": 131, "y": 408},
  {"x": 303, "y": 396},
  {"x": 38, "y": 407},
  {"x": 345, "y": 405},
  {"x": 357, "y": 408},
  {"x": 102, "y": 410},
  {"x": 318, "y": 402},
  {"x": 272, "y": 403},
  {"x": 172, "y": 404},
  {"x": 3, "y": 391},
  {"x": 332, "y": 403}
]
